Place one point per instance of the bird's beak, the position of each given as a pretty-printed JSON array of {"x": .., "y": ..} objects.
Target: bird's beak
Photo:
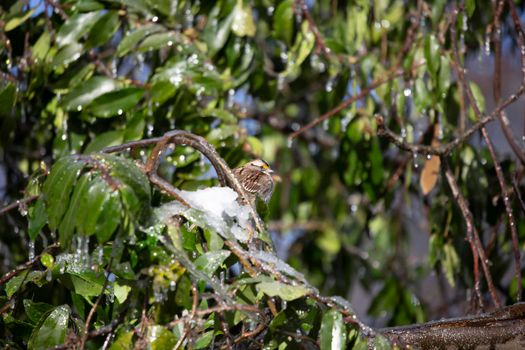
[{"x": 275, "y": 177}]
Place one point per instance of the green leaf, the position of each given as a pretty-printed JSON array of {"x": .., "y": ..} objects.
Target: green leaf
[
  {"x": 69, "y": 222},
  {"x": 478, "y": 97},
  {"x": 283, "y": 21},
  {"x": 88, "y": 6},
  {"x": 97, "y": 194},
  {"x": 105, "y": 139},
  {"x": 34, "y": 310},
  {"x": 58, "y": 187},
  {"x": 216, "y": 32},
  {"x": 134, "y": 127},
  {"x": 115, "y": 102},
  {"x": 15, "y": 22},
  {"x": 121, "y": 292},
  {"x": 159, "y": 40},
  {"x": 160, "y": 338},
  {"x": 139, "y": 5},
  {"x": 124, "y": 341},
  {"x": 162, "y": 91},
  {"x": 37, "y": 218},
  {"x": 243, "y": 24},
  {"x": 109, "y": 218},
  {"x": 284, "y": 291},
  {"x": 332, "y": 335},
  {"x": 126, "y": 171},
  {"x": 21, "y": 279},
  {"x": 85, "y": 283},
  {"x": 304, "y": 43},
  {"x": 86, "y": 92},
  {"x": 222, "y": 114},
  {"x": 7, "y": 100},
  {"x": 129, "y": 42},
  {"x": 470, "y": 5},
  {"x": 52, "y": 329},
  {"x": 79, "y": 304},
  {"x": 432, "y": 53},
  {"x": 75, "y": 27},
  {"x": 41, "y": 47},
  {"x": 214, "y": 241},
  {"x": 103, "y": 29},
  {"x": 204, "y": 340},
  {"x": 67, "y": 54},
  {"x": 435, "y": 243},
  {"x": 450, "y": 263},
  {"x": 211, "y": 261}
]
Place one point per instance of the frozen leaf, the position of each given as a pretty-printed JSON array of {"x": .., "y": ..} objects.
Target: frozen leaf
[
  {"x": 274, "y": 262},
  {"x": 332, "y": 335},
  {"x": 35, "y": 310},
  {"x": 23, "y": 278},
  {"x": 211, "y": 261},
  {"x": 51, "y": 331},
  {"x": 284, "y": 291}
]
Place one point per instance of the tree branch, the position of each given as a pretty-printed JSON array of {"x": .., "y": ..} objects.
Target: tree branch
[{"x": 505, "y": 326}]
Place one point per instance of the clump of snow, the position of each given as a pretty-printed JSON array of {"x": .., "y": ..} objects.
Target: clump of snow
[{"x": 214, "y": 208}]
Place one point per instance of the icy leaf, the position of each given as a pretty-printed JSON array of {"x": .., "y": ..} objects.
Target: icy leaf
[
  {"x": 332, "y": 335},
  {"x": 284, "y": 291},
  {"x": 211, "y": 261},
  {"x": 50, "y": 331},
  {"x": 35, "y": 310}
]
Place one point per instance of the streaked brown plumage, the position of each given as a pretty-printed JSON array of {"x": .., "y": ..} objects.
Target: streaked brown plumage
[{"x": 257, "y": 180}]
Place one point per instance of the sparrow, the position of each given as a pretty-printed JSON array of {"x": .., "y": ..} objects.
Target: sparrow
[{"x": 257, "y": 179}]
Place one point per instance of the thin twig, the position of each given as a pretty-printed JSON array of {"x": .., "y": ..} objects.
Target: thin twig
[
  {"x": 85, "y": 334},
  {"x": 496, "y": 87},
  {"x": 497, "y": 167},
  {"x": 18, "y": 203},
  {"x": 321, "y": 45},
  {"x": 446, "y": 148},
  {"x": 515, "y": 185},
  {"x": 520, "y": 36},
  {"x": 8, "y": 276},
  {"x": 472, "y": 233},
  {"x": 364, "y": 92}
]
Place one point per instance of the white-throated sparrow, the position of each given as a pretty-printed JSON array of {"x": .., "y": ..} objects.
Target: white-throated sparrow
[{"x": 256, "y": 178}]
